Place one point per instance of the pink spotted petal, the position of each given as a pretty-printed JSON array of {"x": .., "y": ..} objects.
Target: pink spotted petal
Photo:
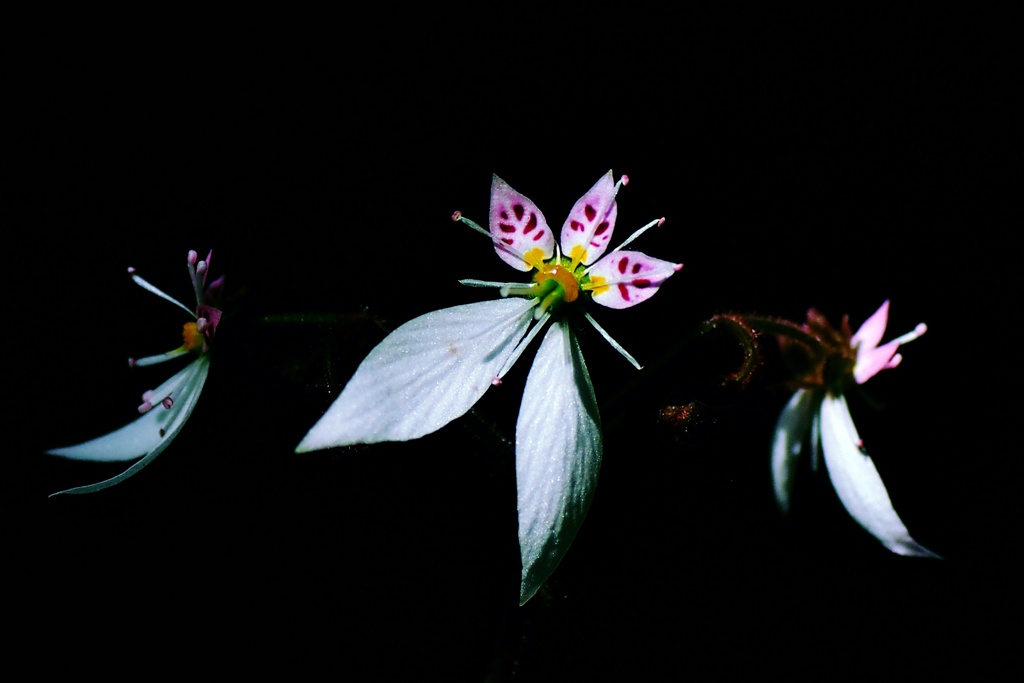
[
  {"x": 214, "y": 290},
  {"x": 591, "y": 222},
  {"x": 871, "y": 358},
  {"x": 626, "y": 278},
  {"x": 870, "y": 333},
  {"x": 872, "y": 361},
  {"x": 518, "y": 227},
  {"x": 212, "y": 315}
]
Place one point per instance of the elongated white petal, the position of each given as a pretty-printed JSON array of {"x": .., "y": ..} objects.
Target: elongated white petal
[
  {"x": 148, "y": 435},
  {"x": 791, "y": 432},
  {"x": 558, "y": 455},
  {"x": 815, "y": 440},
  {"x": 857, "y": 482},
  {"x": 423, "y": 375}
]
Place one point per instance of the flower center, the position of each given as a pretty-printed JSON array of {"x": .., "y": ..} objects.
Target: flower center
[
  {"x": 566, "y": 287},
  {"x": 191, "y": 336},
  {"x": 837, "y": 370},
  {"x": 557, "y": 284}
]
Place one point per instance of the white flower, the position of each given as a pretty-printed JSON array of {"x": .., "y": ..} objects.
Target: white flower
[
  {"x": 147, "y": 436},
  {"x": 820, "y": 411},
  {"x": 434, "y": 368}
]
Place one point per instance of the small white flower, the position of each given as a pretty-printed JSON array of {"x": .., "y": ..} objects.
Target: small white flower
[
  {"x": 818, "y": 413},
  {"x": 166, "y": 408},
  {"x": 434, "y": 368}
]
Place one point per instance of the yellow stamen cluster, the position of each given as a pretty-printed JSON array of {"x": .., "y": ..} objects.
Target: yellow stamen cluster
[
  {"x": 597, "y": 285},
  {"x": 192, "y": 338},
  {"x": 578, "y": 256},
  {"x": 535, "y": 257}
]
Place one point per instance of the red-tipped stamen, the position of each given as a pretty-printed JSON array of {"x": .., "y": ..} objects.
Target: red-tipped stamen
[
  {"x": 919, "y": 330},
  {"x": 615, "y": 345},
  {"x": 656, "y": 223},
  {"x": 459, "y": 218},
  {"x": 153, "y": 290},
  {"x": 523, "y": 343},
  {"x": 158, "y": 358}
]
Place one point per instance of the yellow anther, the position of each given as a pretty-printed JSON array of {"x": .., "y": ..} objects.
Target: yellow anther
[
  {"x": 535, "y": 257},
  {"x": 578, "y": 255},
  {"x": 597, "y": 284}
]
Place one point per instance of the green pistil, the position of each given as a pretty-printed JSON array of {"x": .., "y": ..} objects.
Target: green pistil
[
  {"x": 556, "y": 284},
  {"x": 550, "y": 295}
]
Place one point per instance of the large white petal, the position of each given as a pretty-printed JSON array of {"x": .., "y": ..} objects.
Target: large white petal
[
  {"x": 148, "y": 435},
  {"x": 791, "y": 432},
  {"x": 857, "y": 482},
  {"x": 423, "y": 375},
  {"x": 558, "y": 455}
]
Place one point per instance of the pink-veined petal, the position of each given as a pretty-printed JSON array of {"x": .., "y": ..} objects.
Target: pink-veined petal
[
  {"x": 873, "y": 361},
  {"x": 857, "y": 483},
  {"x": 423, "y": 375},
  {"x": 148, "y": 435},
  {"x": 558, "y": 455},
  {"x": 870, "y": 333},
  {"x": 872, "y": 358},
  {"x": 516, "y": 222},
  {"x": 589, "y": 227},
  {"x": 791, "y": 434},
  {"x": 626, "y": 278}
]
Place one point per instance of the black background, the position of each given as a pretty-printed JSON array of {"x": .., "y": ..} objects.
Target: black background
[{"x": 827, "y": 161}]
